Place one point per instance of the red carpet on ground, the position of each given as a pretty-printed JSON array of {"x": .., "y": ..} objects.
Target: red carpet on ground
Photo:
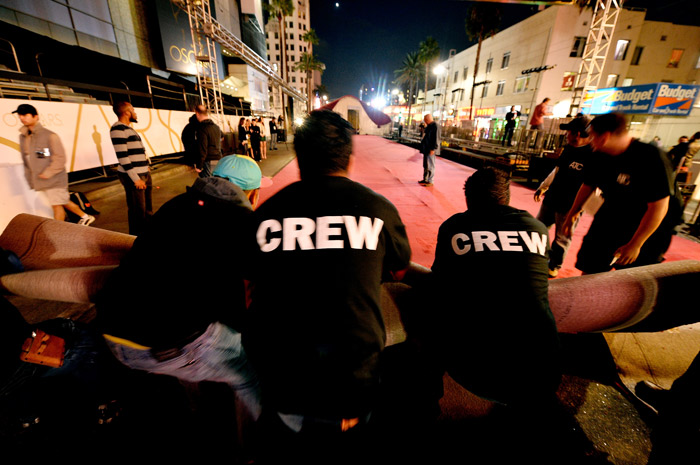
[{"x": 394, "y": 170}]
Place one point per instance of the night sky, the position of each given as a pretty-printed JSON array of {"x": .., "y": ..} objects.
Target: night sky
[{"x": 364, "y": 41}]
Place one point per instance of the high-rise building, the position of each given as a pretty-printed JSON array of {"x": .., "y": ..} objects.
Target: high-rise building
[{"x": 288, "y": 36}]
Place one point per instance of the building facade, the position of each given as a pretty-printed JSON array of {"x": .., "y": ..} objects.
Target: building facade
[
  {"x": 137, "y": 38},
  {"x": 540, "y": 57},
  {"x": 293, "y": 28}
]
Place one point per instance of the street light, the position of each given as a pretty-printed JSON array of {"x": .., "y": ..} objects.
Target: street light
[{"x": 440, "y": 70}]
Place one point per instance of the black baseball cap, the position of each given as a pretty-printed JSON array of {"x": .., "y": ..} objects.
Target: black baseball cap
[
  {"x": 578, "y": 124},
  {"x": 25, "y": 109}
]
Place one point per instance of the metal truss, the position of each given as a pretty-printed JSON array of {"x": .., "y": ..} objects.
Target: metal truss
[
  {"x": 206, "y": 33},
  {"x": 600, "y": 35}
]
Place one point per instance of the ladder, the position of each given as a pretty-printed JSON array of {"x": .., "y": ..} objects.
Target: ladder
[
  {"x": 206, "y": 63},
  {"x": 605, "y": 14}
]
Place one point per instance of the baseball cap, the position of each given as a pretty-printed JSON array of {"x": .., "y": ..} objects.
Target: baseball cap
[
  {"x": 24, "y": 109},
  {"x": 578, "y": 124},
  {"x": 240, "y": 170}
]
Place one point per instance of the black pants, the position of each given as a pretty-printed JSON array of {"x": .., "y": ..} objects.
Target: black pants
[
  {"x": 508, "y": 135},
  {"x": 138, "y": 202}
]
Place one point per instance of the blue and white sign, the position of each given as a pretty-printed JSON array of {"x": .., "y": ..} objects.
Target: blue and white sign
[{"x": 654, "y": 99}]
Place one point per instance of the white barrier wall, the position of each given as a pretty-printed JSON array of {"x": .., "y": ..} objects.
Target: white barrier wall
[{"x": 84, "y": 132}]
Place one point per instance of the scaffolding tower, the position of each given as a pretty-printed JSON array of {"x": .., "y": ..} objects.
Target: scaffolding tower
[
  {"x": 605, "y": 14},
  {"x": 206, "y": 33}
]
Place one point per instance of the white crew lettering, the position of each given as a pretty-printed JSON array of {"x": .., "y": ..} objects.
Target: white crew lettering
[
  {"x": 509, "y": 241},
  {"x": 298, "y": 230},
  {"x": 324, "y": 232},
  {"x": 484, "y": 238},
  {"x": 461, "y": 250},
  {"x": 536, "y": 242},
  {"x": 365, "y": 231},
  {"x": 273, "y": 243}
]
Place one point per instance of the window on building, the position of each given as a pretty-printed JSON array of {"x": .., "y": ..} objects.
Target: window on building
[
  {"x": 484, "y": 90},
  {"x": 456, "y": 76},
  {"x": 675, "y": 59},
  {"x": 489, "y": 65},
  {"x": 637, "y": 55},
  {"x": 627, "y": 82},
  {"x": 291, "y": 47},
  {"x": 612, "y": 80},
  {"x": 505, "y": 61},
  {"x": 663, "y": 38},
  {"x": 277, "y": 35},
  {"x": 291, "y": 24},
  {"x": 521, "y": 84},
  {"x": 278, "y": 57},
  {"x": 501, "y": 86},
  {"x": 277, "y": 46},
  {"x": 697, "y": 65},
  {"x": 621, "y": 49},
  {"x": 579, "y": 46},
  {"x": 465, "y": 72}
]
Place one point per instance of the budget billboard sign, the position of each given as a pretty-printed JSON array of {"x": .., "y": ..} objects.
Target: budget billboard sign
[{"x": 654, "y": 99}]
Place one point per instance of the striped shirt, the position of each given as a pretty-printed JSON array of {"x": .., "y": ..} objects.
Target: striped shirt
[{"x": 130, "y": 151}]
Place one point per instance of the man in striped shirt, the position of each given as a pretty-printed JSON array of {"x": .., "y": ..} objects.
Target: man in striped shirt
[{"x": 133, "y": 170}]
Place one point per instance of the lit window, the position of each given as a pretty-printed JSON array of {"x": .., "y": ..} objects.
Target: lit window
[
  {"x": 612, "y": 80},
  {"x": 489, "y": 64},
  {"x": 621, "y": 49},
  {"x": 521, "y": 84}
]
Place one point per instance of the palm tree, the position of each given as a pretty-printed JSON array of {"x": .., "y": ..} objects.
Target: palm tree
[
  {"x": 313, "y": 64},
  {"x": 410, "y": 73},
  {"x": 308, "y": 63},
  {"x": 482, "y": 22},
  {"x": 428, "y": 51},
  {"x": 310, "y": 37},
  {"x": 279, "y": 9}
]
